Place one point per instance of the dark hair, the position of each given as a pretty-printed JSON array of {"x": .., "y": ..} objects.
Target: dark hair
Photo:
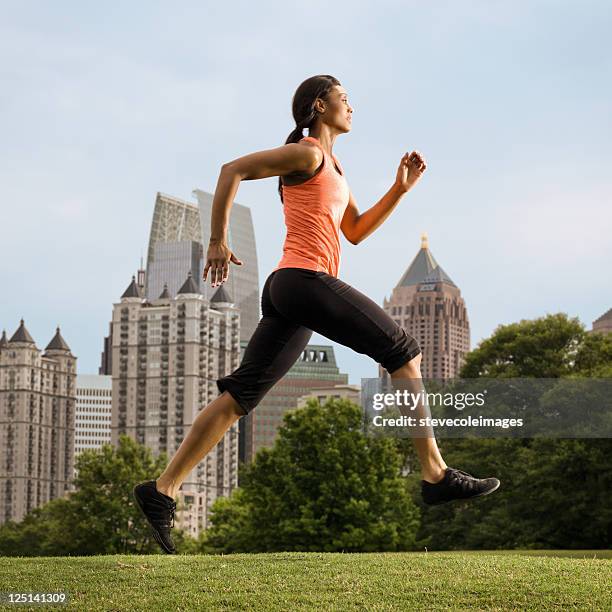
[{"x": 303, "y": 109}]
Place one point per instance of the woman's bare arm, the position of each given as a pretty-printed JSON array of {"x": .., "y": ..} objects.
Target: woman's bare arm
[
  {"x": 262, "y": 164},
  {"x": 283, "y": 160},
  {"x": 356, "y": 227}
]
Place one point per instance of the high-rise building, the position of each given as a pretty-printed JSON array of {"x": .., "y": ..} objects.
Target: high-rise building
[
  {"x": 178, "y": 244},
  {"x": 603, "y": 324},
  {"x": 167, "y": 356},
  {"x": 175, "y": 246},
  {"x": 243, "y": 281},
  {"x": 106, "y": 363},
  {"x": 37, "y": 411},
  {"x": 429, "y": 306},
  {"x": 93, "y": 413},
  {"x": 315, "y": 368},
  {"x": 171, "y": 263}
]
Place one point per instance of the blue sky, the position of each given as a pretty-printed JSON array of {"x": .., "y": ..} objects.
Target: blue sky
[{"x": 102, "y": 105}]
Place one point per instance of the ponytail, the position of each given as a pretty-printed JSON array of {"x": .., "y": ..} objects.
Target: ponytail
[{"x": 303, "y": 109}]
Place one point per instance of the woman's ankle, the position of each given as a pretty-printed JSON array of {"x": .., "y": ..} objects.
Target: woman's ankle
[
  {"x": 166, "y": 488},
  {"x": 433, "y": 474}
]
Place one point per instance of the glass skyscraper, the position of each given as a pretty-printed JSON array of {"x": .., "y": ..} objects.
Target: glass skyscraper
[
  {"x": 178, "y": 242},
  {"x": 243, "y": 281}
]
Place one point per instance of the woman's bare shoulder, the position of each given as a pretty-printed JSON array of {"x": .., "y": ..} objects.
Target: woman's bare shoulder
[{"x": 309, "y": 152}]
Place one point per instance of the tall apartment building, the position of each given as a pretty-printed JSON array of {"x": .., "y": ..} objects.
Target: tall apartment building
[
  {"x": 93, "y": 412},
  {"x": 178, "y": 244},
  {"x": 429, "y": 306},
  {"x": 37, "y": 411},
  {"x": 315, "y": 368},
  {"x": 167, "y": 355},
  {"x": 106, "y": 363}
]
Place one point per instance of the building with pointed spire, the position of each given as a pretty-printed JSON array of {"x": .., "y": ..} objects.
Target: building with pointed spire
[
  {"x": 429, "y": 306},
  {"x": 603, "y": 324},
  {"x": 167, "y": 354},
  {"x": 37, "y": 421}
]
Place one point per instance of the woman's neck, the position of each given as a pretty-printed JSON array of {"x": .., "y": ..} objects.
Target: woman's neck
[{"x": 325, "y": 135}]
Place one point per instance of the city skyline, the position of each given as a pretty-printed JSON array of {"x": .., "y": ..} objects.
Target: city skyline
[{"x": 516, "y": 140}]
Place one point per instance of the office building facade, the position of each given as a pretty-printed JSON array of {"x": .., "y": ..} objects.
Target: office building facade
[
  {"x": 92, "y": 426},
  {"x": 178, "y": 244},
  {"x": 175, "y": 246}
]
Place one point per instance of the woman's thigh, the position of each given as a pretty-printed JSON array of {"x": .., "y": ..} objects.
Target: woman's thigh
[
  {"x": 273, "y": 348},
  {"x": 333, "y": 308}
]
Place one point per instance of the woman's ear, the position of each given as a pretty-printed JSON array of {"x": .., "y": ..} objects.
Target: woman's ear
[{"x": 319, "y": 105}]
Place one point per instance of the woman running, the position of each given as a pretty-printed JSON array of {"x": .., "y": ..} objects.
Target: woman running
[{"x": 304, "y": 294}]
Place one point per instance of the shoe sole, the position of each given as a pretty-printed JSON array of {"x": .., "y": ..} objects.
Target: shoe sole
[
  {"x": 156, "y": 535},
  {"x": 456, "y": 499}
]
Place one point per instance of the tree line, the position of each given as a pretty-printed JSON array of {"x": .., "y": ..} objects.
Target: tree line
[{"x": 326, "y": 486}]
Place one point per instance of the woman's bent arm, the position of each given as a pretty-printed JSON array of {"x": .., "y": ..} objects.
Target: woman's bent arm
[
  {"x": 225, "y": 192},
  {"x": 356, "y": 227},
  {"x": 262, "y": 164}
]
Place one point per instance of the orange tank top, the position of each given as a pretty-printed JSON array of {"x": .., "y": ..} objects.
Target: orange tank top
[{"x": 313, "y": 213}]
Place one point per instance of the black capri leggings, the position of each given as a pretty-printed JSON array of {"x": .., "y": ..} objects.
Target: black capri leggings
[{"x": 295, "y": 302}]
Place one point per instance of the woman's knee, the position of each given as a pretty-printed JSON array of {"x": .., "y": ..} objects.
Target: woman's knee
[{"x": 410, "y": 369}]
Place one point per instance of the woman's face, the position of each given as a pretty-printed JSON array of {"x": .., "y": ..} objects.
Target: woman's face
[{"x": 338, "y": 112}]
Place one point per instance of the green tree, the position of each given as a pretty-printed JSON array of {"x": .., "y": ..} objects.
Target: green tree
[
  {"x": 232, "y": 529},
  {"x": 541, "y": 348},
  {"x": 100, "y": 517},
  {"x": 324, "y": 486},
  {"x": 554, "y": 492},
  {"x": 111, "y": 521},
  {"x": 44, "y": 531},
  {"x": 594, "y": 356}
]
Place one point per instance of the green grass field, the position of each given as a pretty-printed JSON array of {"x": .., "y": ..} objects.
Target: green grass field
[{"x": 508, "y": 580}]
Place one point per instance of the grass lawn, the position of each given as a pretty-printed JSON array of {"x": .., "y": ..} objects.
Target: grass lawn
[{"x": 500, "y": 580}]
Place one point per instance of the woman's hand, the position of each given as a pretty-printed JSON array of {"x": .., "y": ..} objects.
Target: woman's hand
[
  {"x": 217, "y": 261},
  {"x": 410, "y": 170}
]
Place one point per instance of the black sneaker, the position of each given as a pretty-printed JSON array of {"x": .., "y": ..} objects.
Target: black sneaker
[
  {"x": 456, "y": 485},
  {"x": 158, "y": 508}
]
